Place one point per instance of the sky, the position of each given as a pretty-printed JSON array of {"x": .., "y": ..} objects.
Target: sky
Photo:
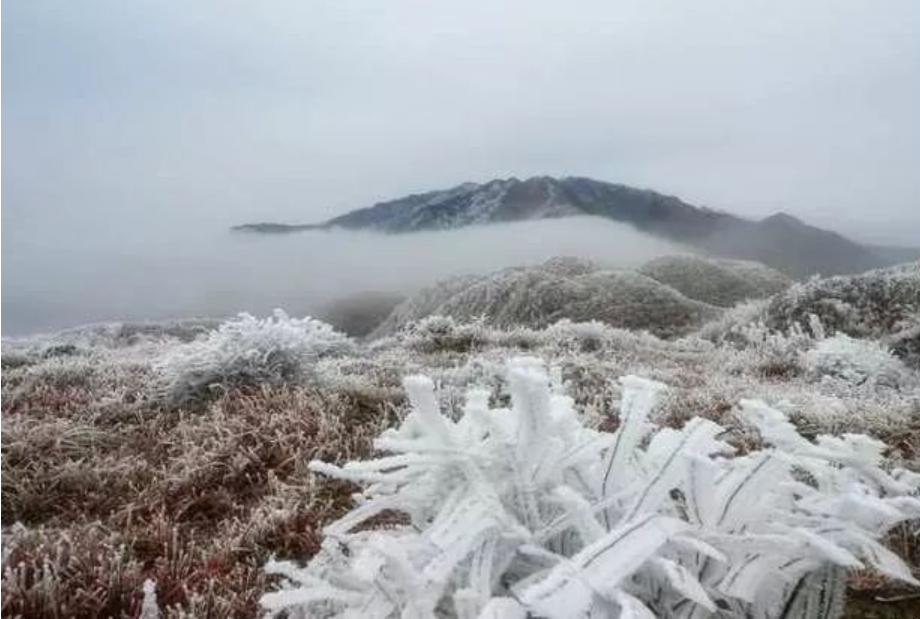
[{"x": 157, "y": 114}]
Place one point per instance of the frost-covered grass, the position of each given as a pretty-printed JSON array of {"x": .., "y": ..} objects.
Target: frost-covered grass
[
  {"x": 113, "y": 485},
  {"x": 195, "y": 502}
]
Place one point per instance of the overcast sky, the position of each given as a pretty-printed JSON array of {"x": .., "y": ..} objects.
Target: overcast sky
[{"x": 155, "y": 112}]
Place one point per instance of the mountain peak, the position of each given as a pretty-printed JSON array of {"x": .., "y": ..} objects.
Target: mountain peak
[{"x": 780, "y": 240}]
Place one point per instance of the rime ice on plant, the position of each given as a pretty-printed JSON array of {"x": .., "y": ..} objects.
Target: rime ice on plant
[
  {"x": 524, "y": 510},
  {"x": 862, "y": 363},
  {"x": 246, "y": 350}
]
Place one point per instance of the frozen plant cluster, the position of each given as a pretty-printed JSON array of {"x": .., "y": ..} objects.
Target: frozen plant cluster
[
  {"x": 776, "y": 348},
  {"x": 864, "y": 363},
  {"x": 247, "y": 350},
  {"x": 871, "y": 304},
  {"x": 525, "y": 511}
]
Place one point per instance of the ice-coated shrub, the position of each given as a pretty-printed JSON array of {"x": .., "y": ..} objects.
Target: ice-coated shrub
[
  {"x": 858, "y": 362},
  {"x": 874, "y": 303},
  {"x": 243, "y": 351},
  {"x": 726, "y": 327},
  {"x": 443, "y": 333},
  {"x": 525, "y": 511},
  {"x": 586, "y": 336},
  {"x": 771, "y": 353}
]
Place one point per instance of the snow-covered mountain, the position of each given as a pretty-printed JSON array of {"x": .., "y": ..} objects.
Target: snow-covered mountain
[
  {"x": 781, "y": 241},
  {"x": 503, "y": 200}
]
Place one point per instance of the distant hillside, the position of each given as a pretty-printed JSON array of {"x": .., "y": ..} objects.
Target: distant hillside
[
  {"x": 722, "y": 283},
  {"x": 780, "y": 241},
  {"x": 561, "y": 288}
]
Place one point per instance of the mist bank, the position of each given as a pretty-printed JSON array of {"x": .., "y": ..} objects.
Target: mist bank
[{"x": 54, "y": 283}]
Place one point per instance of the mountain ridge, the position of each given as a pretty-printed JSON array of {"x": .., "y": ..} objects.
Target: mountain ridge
[{"x": 781, "y": 240}]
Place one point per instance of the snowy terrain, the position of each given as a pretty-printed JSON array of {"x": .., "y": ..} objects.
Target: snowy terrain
[
  {"x": 667, "y": 296},
  {"x": 762, "y": 464}
]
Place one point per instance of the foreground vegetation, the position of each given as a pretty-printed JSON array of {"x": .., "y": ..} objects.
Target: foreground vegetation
[{"x": 176, "y": 455}]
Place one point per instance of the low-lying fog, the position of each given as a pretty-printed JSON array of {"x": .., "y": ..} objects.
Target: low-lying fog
[{"x": 50, "y": 284}]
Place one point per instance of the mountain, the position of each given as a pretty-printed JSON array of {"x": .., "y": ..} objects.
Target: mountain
[{"x": 780, "y": 241}]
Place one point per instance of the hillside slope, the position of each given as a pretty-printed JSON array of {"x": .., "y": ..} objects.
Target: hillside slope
[
  {"x": 561, "y": 288},
  {"x": 718, "y": 282}
]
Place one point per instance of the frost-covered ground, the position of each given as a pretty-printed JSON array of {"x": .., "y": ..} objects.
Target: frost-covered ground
[{"x": 179, "y": 453}]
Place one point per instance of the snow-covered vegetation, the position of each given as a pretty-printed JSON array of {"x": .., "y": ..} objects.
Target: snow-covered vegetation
[
  {"x": 863, "y": 363},
  {"x": 876, "y": 303},
  {"x": 717, "y": 282},
  {"x": 560, "y": 288},
  {"x": 108, "y": 484},
  {"x": 246, "y": 351},
  {"x": 527, "y": 510}
]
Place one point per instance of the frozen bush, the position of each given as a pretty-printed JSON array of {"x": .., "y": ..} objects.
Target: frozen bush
[
  {"x": 773, "y": 354},
  {"x": 858, "y": 362},
  {"x": 872, "y": 304},
  {"x": 586, "y": 336},
  {"x": 245, "y": 351},
  {"x": 732, "y": 320},
  {"x": 443, "y": 334},
  {"x": 524, "y": 511}
]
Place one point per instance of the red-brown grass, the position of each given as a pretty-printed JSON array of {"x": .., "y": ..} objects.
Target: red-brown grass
[{"x": 197, "y": 501}]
